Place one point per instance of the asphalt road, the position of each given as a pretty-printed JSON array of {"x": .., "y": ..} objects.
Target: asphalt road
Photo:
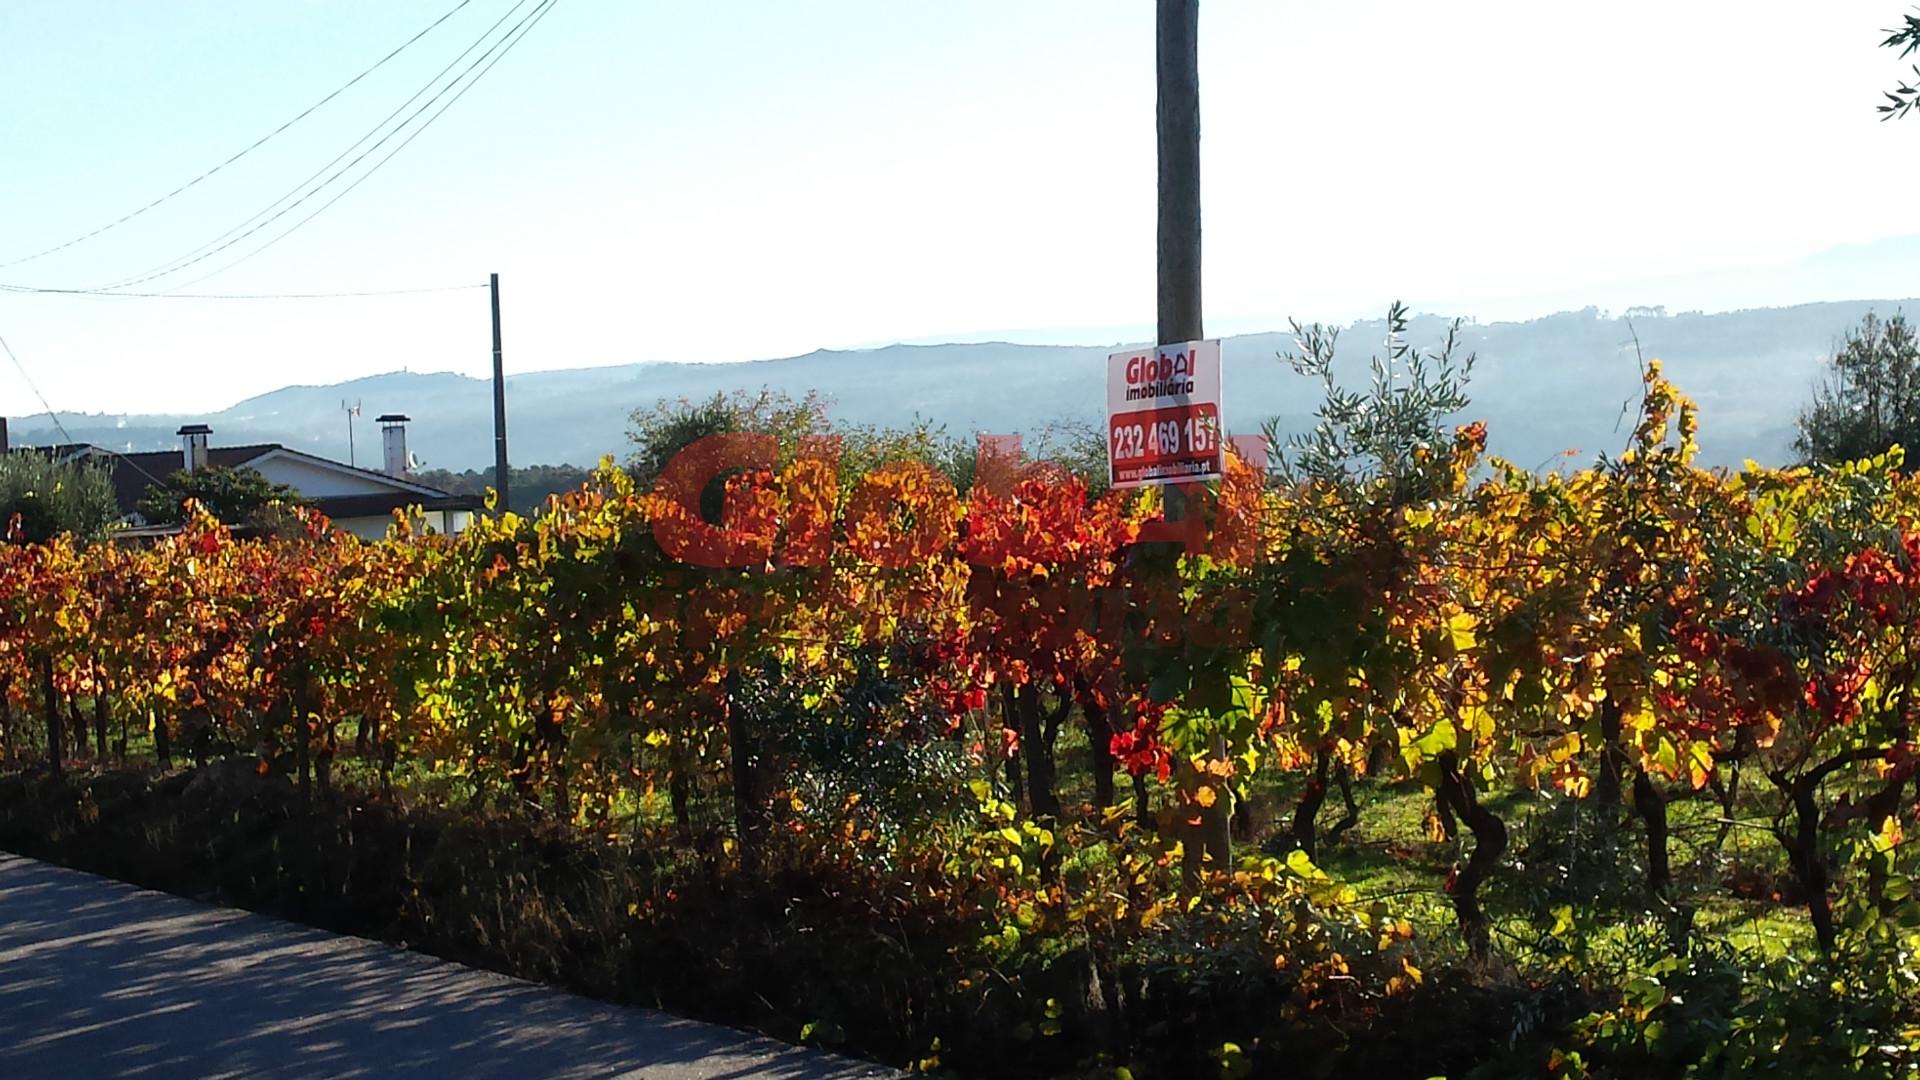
[{"x": 100, "y": 979}]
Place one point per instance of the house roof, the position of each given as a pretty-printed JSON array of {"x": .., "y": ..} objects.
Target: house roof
[
  {"x": 382, "y": 505},
  {"x": 402, "y": 483},
  {"x": 57, "y": 451},
  {"x": 134, "y": 473}
]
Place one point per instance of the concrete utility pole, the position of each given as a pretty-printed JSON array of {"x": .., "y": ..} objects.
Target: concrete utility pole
[{"x": 499, "y": 407}]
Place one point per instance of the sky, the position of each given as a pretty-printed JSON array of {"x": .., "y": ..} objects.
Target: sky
[{"x": 744, "y": 179}]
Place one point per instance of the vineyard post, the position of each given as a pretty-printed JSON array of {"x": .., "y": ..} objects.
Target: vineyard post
[
  {"x": 52, "y": 702},
  {"x": 6, "y": 718}
]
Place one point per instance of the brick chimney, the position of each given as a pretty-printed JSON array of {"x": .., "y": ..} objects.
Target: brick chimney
[
  {"x": 193, "y": 446},
  {"x": 393, "y": 441}
]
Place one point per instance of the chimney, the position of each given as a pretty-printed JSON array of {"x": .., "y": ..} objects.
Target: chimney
[
  {"x": 193, "y": 446},
  {"x": 393, "y": 440},
  {"x": 4, "y": 447}
]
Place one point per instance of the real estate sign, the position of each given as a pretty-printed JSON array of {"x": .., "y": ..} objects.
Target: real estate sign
[{"x": 1163, "y": 415}]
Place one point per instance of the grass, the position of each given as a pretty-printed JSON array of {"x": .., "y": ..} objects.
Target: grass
[
  {"x": 1389, "y": 856},
  {"x": 447, "y": 866}
]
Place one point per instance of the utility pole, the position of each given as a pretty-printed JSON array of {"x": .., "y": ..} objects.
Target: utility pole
[
  {"x": 1177, "y": 116},
  {"x": 1177, "y": 131},
  {"x": 499, "y": 406},
  {"x": 1177, "y": 134}
]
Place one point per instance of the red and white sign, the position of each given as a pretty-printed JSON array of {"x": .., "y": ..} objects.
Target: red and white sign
[{"x": 1163, "y": 415}]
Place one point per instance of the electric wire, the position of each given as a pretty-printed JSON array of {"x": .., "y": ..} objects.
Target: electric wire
[
  {"x": 31, "y": 385},
  {"x": 229, "y": 239},
  {"x": 62, "y": 428},
  {"x": 257, "y": 144},
  {"x": 532, "y": 21},
  {"x": 491, "y": 57},
  {"x": 23, "y": 289}
]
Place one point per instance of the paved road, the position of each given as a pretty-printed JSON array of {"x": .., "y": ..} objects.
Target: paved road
[{"x": 99, "y": 979}]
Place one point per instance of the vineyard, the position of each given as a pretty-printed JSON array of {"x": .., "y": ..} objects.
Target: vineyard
[{"x": 1597, "y": 772}]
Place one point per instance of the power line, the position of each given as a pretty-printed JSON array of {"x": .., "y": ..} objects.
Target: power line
[
  {"x": 219, "y": 244},
  {"x": 62, "y": 428},
  {"x": 509, "y": 41},
  {"x": 321, "y": 171},
  {"x": 262, "y": 141},
  {"x": 240, "y": 296},
  {"x": 28, "y": 379}
]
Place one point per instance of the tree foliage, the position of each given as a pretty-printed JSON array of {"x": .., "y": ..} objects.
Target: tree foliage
[
  {"x": 1903, "y": 97},
  {"x": 1379, "y": 432},
  {"x": 529, "y": 487},
  {"x": 1869, "y": 399},
  {"x": 662, "y": 431},
  {"x": 233, "y": 496},
  {"x": 46, "y": 498}
]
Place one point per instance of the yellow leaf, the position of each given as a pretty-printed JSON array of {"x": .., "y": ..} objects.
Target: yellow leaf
[
  {"x": 1460, "y": 631},
  {"x": 1699, "y": 765},
  {"x": 1562, "y": 920}
]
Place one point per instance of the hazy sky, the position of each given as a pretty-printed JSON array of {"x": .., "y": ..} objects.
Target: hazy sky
[{"x": 725, "y": 179}]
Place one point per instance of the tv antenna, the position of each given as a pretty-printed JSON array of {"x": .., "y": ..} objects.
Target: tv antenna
[{"x": 352, "y": 411}]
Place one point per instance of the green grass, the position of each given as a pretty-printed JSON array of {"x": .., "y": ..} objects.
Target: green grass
[{"x": 1389, "y": 856}]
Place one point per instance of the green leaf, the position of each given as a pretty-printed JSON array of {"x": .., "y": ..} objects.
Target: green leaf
[{"x": 1438, "y": 739}]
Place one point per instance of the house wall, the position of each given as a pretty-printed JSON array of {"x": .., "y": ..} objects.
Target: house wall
[
  {"x": 366, "y": 528},
  {"x": 375, "y": 528},
  {"x": 316, "y": 482}
]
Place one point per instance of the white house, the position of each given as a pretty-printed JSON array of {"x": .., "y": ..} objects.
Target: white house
[{"x": 360, "y": 501}]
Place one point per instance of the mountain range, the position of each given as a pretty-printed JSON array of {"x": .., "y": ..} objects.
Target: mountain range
[{"x": 1544, "y": 386}]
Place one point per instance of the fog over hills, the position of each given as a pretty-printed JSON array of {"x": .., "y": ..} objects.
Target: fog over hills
[{"x": 1543, "y": 386}]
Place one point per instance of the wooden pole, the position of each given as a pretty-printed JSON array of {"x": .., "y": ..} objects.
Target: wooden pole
[
  {"x": 56, "y": 739},
  {"x": 499, "y": 405},
  {"x": 1177, "y": 128},
  {"x": 1177, "y": 135},
  {"x": 1177, "y": 117}
]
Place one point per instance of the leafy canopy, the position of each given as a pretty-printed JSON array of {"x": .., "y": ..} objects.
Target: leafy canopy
[
  {"x": 53, "y": 497},
  {"x": 234, "y": 496},
  {"x": 1869, "y": 400},
  {"x": 1379, "y": 433},
  {"x": 1906, "y": 38}
]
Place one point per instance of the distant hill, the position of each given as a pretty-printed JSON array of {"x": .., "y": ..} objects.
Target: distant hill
[{"x": 1543, "y": 386}]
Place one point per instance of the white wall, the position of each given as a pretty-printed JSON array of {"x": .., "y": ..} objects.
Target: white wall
[
  {"x": 366, "y": 528},
  {"x": 375, "y": 528},
  {"x": 317, "y": 482}
]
